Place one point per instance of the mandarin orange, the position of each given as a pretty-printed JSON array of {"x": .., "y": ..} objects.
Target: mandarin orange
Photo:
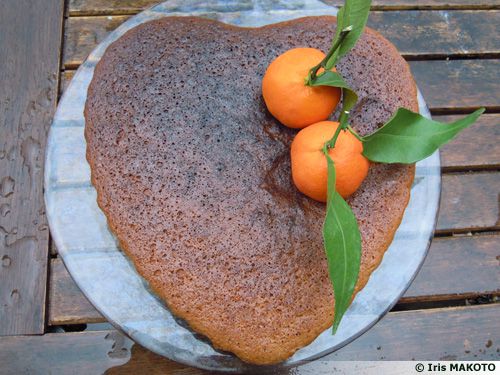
[
  {"x": 309, "y": 167},
  {"x": 286, "y": 94}
]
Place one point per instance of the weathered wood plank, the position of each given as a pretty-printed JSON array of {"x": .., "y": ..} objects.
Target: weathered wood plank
[
  {"x": 469, "y": 263},
  {"x": 67, "y": 304},
  {"x": 458, "y": 268},
  {"x": 469, "y": 202},
  {"x": 420, "y": 34},
  {"x": 458, "y": 85},
  {"x": 63, "y": 353},
  {"x": 475, "y": 148},
  {"x": 83, "y": 34},
  {"x": 456, "y": 334},
  {"x": 30, "y": 40},
  {"x": 416, "y": 34},
  {"x": 100, "y": 7},
  {"x": 466, "y": 333},
  {"x": 66, "y": 77}
]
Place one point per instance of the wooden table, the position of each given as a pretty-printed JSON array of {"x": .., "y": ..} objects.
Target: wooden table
[{"x": 450, "y": 311}]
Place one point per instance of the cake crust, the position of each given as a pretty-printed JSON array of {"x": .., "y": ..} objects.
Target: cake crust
[{"x": 193, "y": 175}]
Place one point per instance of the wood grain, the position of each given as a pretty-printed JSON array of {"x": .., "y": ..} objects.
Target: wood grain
[
  {"x": 440, "y": 34},
  {"x": 67, "y": 304},
  {"x": 63, "y": 353},
  {"x": 30, "y": 40},
  {"x": 83, "y": 34},
  {"x": 474, "y": 148},
  {"x": 100, "y": 7},
  {"x": 458, "y": 268},
  {"x": 469, "y": 264},
  {"x": 463, "y": 333},
  {"x": 458, "y": 85},
  {"x": 417, "y": 34},
  {"x": 469, "y": 202},
  {"x": 66, "y": 77},
  {"x": 466, "y": 333}
]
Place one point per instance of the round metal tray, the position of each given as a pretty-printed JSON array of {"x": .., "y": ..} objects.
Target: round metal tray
[{"x": 109, "y": 280}]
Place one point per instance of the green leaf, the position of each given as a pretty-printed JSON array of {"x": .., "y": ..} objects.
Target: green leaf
[
  {"x": 354, "y": 13},
  {"x": 409, "y": 137},
  {"x": 349, "y": 97},
  {"x": 342, "y": 242}
]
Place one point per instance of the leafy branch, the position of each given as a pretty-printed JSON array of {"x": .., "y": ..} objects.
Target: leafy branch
[
  {"x": 342, "y": 242},
  {"x": 341, "y": 236},
  {"x": 406, "y": 138}
]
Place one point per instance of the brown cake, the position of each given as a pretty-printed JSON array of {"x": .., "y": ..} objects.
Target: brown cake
[{"x": 193, "y": 175}]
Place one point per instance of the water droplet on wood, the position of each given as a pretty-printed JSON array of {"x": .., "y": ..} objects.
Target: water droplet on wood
[
  {"x": 15, "y": 296},
  {"x": 11, "y": 154},
  {"x": 30, "y": 151},
  {"x": 4, "y": 210},
  {"x": 6, "y": 261},
  {"x": 52, "y": 79},
  {"x": 7, "y": 185},
  {"x": 118, "y": 348},
  {"x": 27, "y": 243}
]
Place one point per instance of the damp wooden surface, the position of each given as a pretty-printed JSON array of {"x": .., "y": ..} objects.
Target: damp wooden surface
[
  {"x": 459, "y": 333},
  {"x": 469, "y": 202},
  {"x": 462, "y": 33},
  {"x": 67, "y": 304},
  {"x": 475, "y": 148},
  {"x": 30, "y": 41},
  {"x": 453, "y": 54}
]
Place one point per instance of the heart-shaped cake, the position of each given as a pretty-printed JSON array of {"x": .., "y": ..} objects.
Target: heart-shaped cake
[{"x": 193, "y": 174}]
